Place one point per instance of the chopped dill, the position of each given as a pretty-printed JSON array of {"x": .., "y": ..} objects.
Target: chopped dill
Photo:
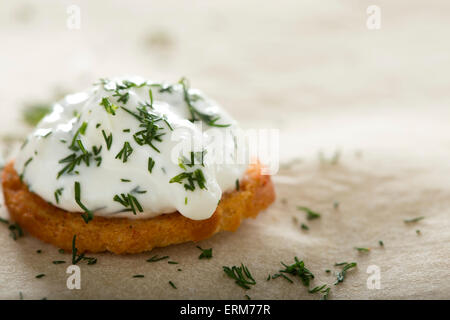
[
  {"x": 241, "y": 275},
  {"x": 156, "y": 258},
  {"x": 341, "y": 275},
  {"x": 310, "y": 214},
  {"x": 125, "y": 152},
  {"x": 87, "y": 215},
  {"x": 206, "y": 253}
]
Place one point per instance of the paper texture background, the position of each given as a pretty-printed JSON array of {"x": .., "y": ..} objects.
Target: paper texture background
[{"x": 312, "y": 70}]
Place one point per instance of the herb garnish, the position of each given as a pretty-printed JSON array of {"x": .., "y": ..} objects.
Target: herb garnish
[
  {"x": 109, "y": 107},
  {"x": 297, "y": 269},
  {"x": 413, "y": 220},
  {"x": 125, "y": 152},
  {"x": 108, "y": 139},
  {"x": 206, "y": 253},
  {"x": 58, "y": 193},
  {"x": 151, "y": 164},
  {"x": 156, "y": 258},
  {"x": 172, "y": 285},
  {"x": 128, "y": 200},
  {"x": 341, "y": 275},
  {"x": 241, "y": 275},
  {"x": 58, "y": 262},
  {"x": 77, "y": 258},
  {"x": 365, "y": 250},
  {"x": 237, "y": 184},
  {"x": 15, "y": 231},
  {"x": 209, "y": 119},
  {"x": 138, "y": 276},
  {"x": 310, "y": 215},
  {"x": 304, "y": 226},
  {"x": 191, "y": 177},
  {"x": 87, "y": 215},
  {"x": 40, "y": 276}
]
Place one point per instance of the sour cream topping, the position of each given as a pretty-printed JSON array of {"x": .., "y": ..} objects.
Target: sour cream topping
[{"x": 114, "y": 151}]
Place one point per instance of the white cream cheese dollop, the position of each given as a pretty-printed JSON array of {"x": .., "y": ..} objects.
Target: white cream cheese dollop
[{"x": 118, "y": 181}]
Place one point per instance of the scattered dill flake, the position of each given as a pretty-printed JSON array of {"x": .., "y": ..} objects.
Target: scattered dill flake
[
  {"x": 341, "y": 275},
  {"x": 58, "y": 262},
  {"x": 39, "y": 251},
  {"x": 310, "y": 215},
  {"x": 108, "y": 139},
  {"x": 172, "y": 285},
  {"x": 237, "y": 184},
  {"x": 98, "y": 125},
  {"x": 336, "y": 205},
  {"x": 326, "y": 293},
  {"x": 172, "y": 262},
  {"x": 185, "y": 200},
  {"x": 125, "y": 180},
  {"x": 77, "y": 258},
  {"x": 304, "y": 226},
  {"x": 365, "y": 250},
  {"x": 156, "y": 258},
  {"x": 338, "y": 264},
  {"x": 126, "y": 130},
  {"x": 418, "y": 232},
  {"x": 298, "y": 269},
  {"x": 151, "y": 164},
  {"x": 138, "y": 276},
  {"x": 248, "y": 298},
  {"x": 40, "y": 276},
  {"x": 381, "y": 243},
  {"x": 241, "y": 275},
  {"x": 109, "y": 107},
  {"x": 58, "y": 193},
  {"x": 317, "y": 289},
  {"x": 179, "y": 270},
  {"x": 206, "y": 253},
  {"x": 125, "y": 152},
  {"x": 277, "y": 275},
  {"x": 15, "y": 231},
  {"x": 129, "y": 201},
  {"x": 191, "y": 177},
  {"x": 268, "y": 277},
  {"x": 328, "y": 271},
  {"x": 413, "y": 220},
  {"x": 34, "y": 113},
  {"x": 87, "y": 215}
]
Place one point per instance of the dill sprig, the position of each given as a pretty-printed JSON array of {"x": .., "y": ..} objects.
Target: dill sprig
[
  {"x": 125, "y": 152},
  {"x": 206, "y": 253},
  {"x": 310, "y": 214},
  {"x": 191, "y": 177},
  {"x": 58, "y": 193},
  {"x": 156, "y": 258},
  {"x": 77, "y": 258},
  {"x": 109, "y": 107},
  {"x": 108, "y": 139},
  {"x": 88, "y": 214},
  {"x": 298, "y": 269},
  {"x": 413, "y": 220},
  {"x": 151, "y": 164},
  {"x": 209, "y": 119},
  {"x": 128, "y": 201},
  {"x": 346, "y": 267},
  {"x": 241, "y": 275}
]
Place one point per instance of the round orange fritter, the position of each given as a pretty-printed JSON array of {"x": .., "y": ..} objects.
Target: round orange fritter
[{"x": 122, "y": 235}]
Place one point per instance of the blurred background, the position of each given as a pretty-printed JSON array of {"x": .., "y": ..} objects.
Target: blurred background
[{"x": 314, "y": 70}]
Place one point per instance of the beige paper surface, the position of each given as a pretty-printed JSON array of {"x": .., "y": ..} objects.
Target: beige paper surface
[{"x": 313, "y": 71}]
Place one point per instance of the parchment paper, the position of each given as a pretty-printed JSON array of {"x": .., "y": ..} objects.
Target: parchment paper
[{"x": 364, "y": 139}]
